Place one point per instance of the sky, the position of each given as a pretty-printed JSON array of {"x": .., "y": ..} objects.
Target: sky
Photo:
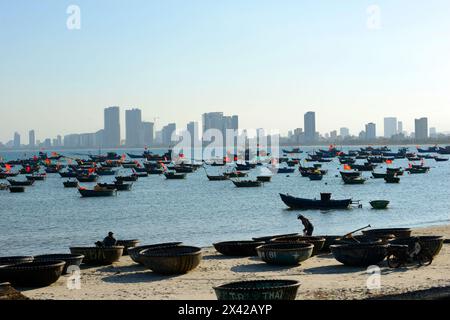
[{"x": 267, "y": 61}]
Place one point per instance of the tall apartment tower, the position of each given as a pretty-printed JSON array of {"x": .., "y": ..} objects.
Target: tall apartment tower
[{"x": 111, "y": 133}]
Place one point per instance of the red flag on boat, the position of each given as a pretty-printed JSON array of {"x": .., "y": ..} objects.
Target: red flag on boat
[
  {"x": 8, "y": 167},
  {"x": 410, "y": 165},
  {"x": 235, "y": 158},
  {"x": 91, "y": 170},
  {"x": 47, "y": 161},
  {"x": 35, "y": 158},
  {"x": 181, "y": 155},
  {"x": 124, "y": 157},
  {"x": 388, "y": 161},
  {"x": 28, "y": 169},
  {"x": 347, "y": 167}
]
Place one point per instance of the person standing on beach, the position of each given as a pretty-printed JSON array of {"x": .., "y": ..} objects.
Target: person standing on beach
[{"x": 309, "y": 228}]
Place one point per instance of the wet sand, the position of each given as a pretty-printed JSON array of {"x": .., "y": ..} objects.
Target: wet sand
[{"x": 321, "y": 277}]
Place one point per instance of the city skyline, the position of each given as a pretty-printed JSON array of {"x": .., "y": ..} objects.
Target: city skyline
[
  {"x": 140, "y": 133},
  {"x": 268, "y": 63}
]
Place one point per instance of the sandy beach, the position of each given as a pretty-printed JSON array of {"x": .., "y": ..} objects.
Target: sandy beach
[{"x": 321, "y": 277}]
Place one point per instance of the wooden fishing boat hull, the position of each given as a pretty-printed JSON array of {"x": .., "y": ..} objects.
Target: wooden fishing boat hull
[
  {"x": 300, "y": 203},
  {"x": 15, "y": 183},
  {"x": 247, "y": 184},
  {"x": 99, "y": 255},
  {"x": 92, "y": 193}
]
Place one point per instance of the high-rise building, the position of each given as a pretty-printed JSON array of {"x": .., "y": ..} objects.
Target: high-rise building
[
  {"x": 433, "y": 132},
  {"x": 371, "y": 131},
  {"x": 167, "y": 132},
  {"x": 344, "y": 132},
  {"x": 111, "y": 137},
  {"x": 390, "y": 127},
  {"x": 217, "y": 121},
  {"x": 16, "y": 143},
  {"x": 400, "y": 127},
  {"x": 333, "y": 134},
  {"x": 59, "y": 140},
  {"x": 192, "y": 128},
  {"x": 31, "y": 139},
  {"x": 133, "y": 128},
  {"x": 310, "y": 126},
  {"x": 147, "y": 133},
  {"x": 421, "y": 129}
]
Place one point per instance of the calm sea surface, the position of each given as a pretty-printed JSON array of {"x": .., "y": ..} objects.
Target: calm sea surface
[{"x": 48, "y": 218}]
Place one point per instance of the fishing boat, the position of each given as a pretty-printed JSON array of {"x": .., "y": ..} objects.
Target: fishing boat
[
  {"x": 17, "y": 183},
  {"x": 155, "y": 171},
  {"x": 87, "y": 178},
  {"x": 445, "y": 150},
  {"x": 70, "y": 184},
  {"x": 394, "y": 171},
  {"x": 247, "y": 183},
  {"x": 284, "y": 170},
  {"x": 392, "y": 179},
  {"x": 353, "y": 180},
  {"x": 324, "y": 203},
  {"x": 377, "y": 175},
  {"x": 183, "y": 169},
  {"x": 293, "y": 150},
  {"x": 314, "y": 176},
  {"x": 16, "y": 189},
  {"x": 351, "y": 173},
  {"x": 437, "y": 159},
  {"x": 37, "y": 177},
  {"x": 68, "y": 174},
  {"x": 100, "y": 192},
  {"x": 434, "y": 149},
  {"x": 417, "y": 170},
  {"x": 135, "y": 156},
  {"x": 217, "y": 178},
  {"x": 5, "y": 175},
  {"x": 4, "y": 186},
  {"x": 363, "y": 167},
  {"x": 175, "y": 176},
  {"x": 264, "y": 178},
  {"x": 129, "y": 178},
  {"x": 236, "y": 174},
  {"x": 129, "y": 165},
  {"x": 140, "y": 169},
  {"x": 119, "y": 186}
]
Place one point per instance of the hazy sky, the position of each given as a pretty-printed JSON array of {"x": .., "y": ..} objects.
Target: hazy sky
[{"x": 267, "y": 61}]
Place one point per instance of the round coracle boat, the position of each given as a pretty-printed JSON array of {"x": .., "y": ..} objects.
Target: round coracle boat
[
  {"x": 69, "y": 259},
  {"x": 269, "y": 238},
  {"x": 288, "y": 254},
  {"x": 432, "y": 245},
  {"x": 264, "y": 290},
  {"x": 32, "y": 274},
  {"x": 99, "y": 255},
  {"x": 397, "y": 232},
  {"x": 127, "y": 245},
  {"x": 238, "y": 248},
  {"x": 4, "y": 261},
  {"x": 318, "y": 242},
  {"x": 134, "y": 252},
  {"x": 359, "y": 255},
  {"x": 171, "y": 260}
]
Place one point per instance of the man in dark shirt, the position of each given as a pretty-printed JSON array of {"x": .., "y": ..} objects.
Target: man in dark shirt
[
  {"x": 309, "y": 228},
  {"x": 109, "y": 241}
]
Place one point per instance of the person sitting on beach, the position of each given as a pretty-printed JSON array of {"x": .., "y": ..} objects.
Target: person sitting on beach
[
  {"x": 309, "y": 228},
  {"x": 109, "y": 241}
]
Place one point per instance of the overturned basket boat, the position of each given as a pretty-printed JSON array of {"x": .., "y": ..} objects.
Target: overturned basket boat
[
  {"x": 127, "y": 244},
  {"x": 69, "y": 259},
  {"x": 99, "y": 255},
  {"x": 238, "y": 248},
  {"x": 258, "y": 290},
  {"x": 70, "y": 184},
  {"x": 171, "y": 260},
  {"x": 32, "y": 274},
  {"x": 134, "y": 252},
  {"x": 289, "y": 254}
]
